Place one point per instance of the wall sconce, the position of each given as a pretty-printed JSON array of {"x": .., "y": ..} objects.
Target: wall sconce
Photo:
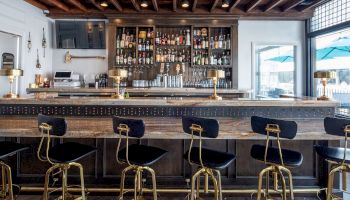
[
  {"x": 185, "y": 4},
  {"x": 225, "y": 4},
  {"x": 324, "y": 76},
  {"x": 144, "y": 3}
]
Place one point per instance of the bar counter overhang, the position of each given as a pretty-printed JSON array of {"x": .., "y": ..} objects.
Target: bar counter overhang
[{"x": 90, "y": 122}]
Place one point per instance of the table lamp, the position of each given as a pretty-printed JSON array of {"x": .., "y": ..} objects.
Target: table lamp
[
  {"x": 11, "y": 75},
  {"x": 324, "y": 76},
  {"x": 215, "y": 75},
  {"x": 117, "y": 75}
]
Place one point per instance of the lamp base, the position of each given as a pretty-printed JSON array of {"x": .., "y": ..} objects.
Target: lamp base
[
  {"x": 11, "y": 96},
  {"x": 215, "y": 97},
  {"x": 117, "y": 96},
  {"x": 323, "y": 98}
]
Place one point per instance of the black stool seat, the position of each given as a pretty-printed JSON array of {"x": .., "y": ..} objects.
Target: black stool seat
[
  {"x": 290, "y": 158},
  {"x": 335, "y": 154},
  {"x": 210, "y": 158},
  {"x": 11, "y": 148},
  {"x": 69, "y": 152},
  {"x": 142, "y": 155}
]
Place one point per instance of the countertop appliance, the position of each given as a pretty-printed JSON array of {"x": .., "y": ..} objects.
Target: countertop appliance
[{"x": 66, "y": 79}]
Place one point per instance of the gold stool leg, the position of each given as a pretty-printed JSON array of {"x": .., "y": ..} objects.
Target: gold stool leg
[
  {"x": 330, "y": 181},
  {"x": 198, "y": 186},
  {"x": 193, "y": 181},
  {"x": 284, "y": 192},
  {"x": 64, "y": 183},
  {"x": 290, "y": 179},
  {"x": 122, "y": 180},
  {"x": 154, "y": 182},
  {"x": 215, "y": 183},
  {"x": 9, "y": 181},
  {"x": 344, "y": 182},
  {"x": 267, "y": 179},
  {"x": 46, "y": 186},
  {"x": 3, "y": 177},
  {"x": 81, "y": 176},
  {"x": 261, "y": 175},
  {"x": 135, "y": 183},
  {"x": 206, "y": 183},
  {"x": 219, "y": 183}
]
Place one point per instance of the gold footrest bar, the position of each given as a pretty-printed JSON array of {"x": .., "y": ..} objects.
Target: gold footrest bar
[{"x": 170, "y": 190}]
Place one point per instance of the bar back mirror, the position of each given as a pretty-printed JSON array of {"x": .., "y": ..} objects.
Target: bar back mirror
[
  {"x": 275, "y": 73},
  {"x": 9, "y": 60}
]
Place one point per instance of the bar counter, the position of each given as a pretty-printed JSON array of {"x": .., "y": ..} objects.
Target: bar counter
[{"x": 90, "y": 122}]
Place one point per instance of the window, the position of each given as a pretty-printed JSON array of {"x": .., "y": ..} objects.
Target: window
[
  {"x": 329, "y": 14},
  {"x": 332, "y": 53},
  {"x": 275, "y": 70}
]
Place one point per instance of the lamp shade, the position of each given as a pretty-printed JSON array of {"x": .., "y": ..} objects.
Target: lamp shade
[
  {"x": 325, "y": 74},
  {"x": 11, "y": 72},
  {"x": 214, "y": 73},
  {"x": 122, "y": 73}
]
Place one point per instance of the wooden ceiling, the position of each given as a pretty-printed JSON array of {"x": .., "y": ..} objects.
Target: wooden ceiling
[{"x": 251, "y": 9}]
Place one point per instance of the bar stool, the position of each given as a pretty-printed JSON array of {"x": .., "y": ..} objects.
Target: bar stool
[
  {"x": 138, "y": 157},
  {"x": 8, "y": 149},
  {"x": 339, "y": 158},
  {"x": 278, "y": 160},
  {"x": 208, "y": 160},
  {"x": 62, "y": 156}
]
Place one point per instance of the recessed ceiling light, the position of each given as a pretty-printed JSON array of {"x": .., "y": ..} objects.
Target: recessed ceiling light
[
  {"x": 185, "y": 4},
  {"x": 144, "y": 4},
  {"x": 104, "y": 4},
  {"x": 225, "y": 4}
]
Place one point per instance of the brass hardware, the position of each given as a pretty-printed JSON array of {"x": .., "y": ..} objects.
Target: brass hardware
[
  {"x": 138, "y": 188},
  {"x": 324, "y": 76},
  {"x": 215, "y": 75},
  {"x": 11, "y": 75},
  {"x": 63, "y": 168},
  {"x": 207, "y": 172},
  {"x": 117, "y": 75},
  {"x": 68, "y": 57},
  {"x": 275, "y": 169},
  {"x": 6, "y": 189}
]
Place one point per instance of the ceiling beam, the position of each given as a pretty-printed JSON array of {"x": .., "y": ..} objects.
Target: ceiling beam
[
  {"x": 137, "y": 7},
  {"x": 98, "y": 6},
  {"x": 234, "y": 5},
  {"x": 37, "y": 4},
  {"x": 194, "y": 5},
  {"x": 272, "y": 5},
  {"x": 155, "y": 5},
  {"x": 59, "y": 5},
  {"x": 116, "y": 5},
  {"x": 215, "y": 3},
  {"x": 313, "y": 4},
  {"x": 174, "y": 5},
  {"x": 291, "y": 4},
  {"x": 252, "y": 5},
  {"x": 77, "y": 4}
]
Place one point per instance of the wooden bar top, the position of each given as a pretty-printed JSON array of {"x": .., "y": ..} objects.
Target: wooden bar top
[
  {"x": 173, "y": 101},
  {"x": 156, "y": 128}
]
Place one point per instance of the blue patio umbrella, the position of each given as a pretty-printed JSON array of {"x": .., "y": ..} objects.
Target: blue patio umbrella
[
  {"x": 282, "y": 58},
  {"x": 338, "y": 48}
]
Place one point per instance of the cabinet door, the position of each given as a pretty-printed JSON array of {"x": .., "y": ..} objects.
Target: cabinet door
[{"x": 66, "y": 35}]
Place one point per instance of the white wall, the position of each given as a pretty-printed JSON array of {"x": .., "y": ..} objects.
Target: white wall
[
  {"x": 87, "y": 67},
  {"x": 20, "y": 18},
  {"x": 268, "y": 32}
]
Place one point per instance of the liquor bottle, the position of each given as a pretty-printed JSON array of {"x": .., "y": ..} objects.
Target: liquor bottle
[
  {"x": 123, "y": 34},
  {"x": 139, "y": 46},
  {"x": 211, "y": 42},
  {"x": 147, "y": 46},
  {"x": 228, "y": 42},
  {"x": 220, "y": 41},
  {"x": 157, "y": 39},
  {"x": 118, "y": 42},
  {"x": 151, "y": 46},
  {"x": 127, "y": 40},
  {"x": 149, "y": 33},
  {"x": 134, "y": 58},
  {"x": 122, "y": 42},
  {"x": 188, "y": 37},
  {"x": 224, "y": 42},
  {"x": 117, "y": 57},
  {"x": 216, "y": 43},
  {"x": 129, "y": 59}
]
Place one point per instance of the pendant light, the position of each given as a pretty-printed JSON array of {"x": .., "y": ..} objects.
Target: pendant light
[
  {"x": 144, "y": 4},
  {"x": 225, "y": 4},
  {"x": 185, "y": 4},
  {"x": 104, "y": 4}
]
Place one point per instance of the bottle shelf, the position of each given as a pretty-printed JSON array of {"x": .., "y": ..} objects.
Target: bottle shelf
[
  {"x": 173, "y": 46},
  {"x": 213, "y": 66}
]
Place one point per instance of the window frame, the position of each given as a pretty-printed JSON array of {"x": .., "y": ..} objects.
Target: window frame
[{"x": 254, "y": 68}]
